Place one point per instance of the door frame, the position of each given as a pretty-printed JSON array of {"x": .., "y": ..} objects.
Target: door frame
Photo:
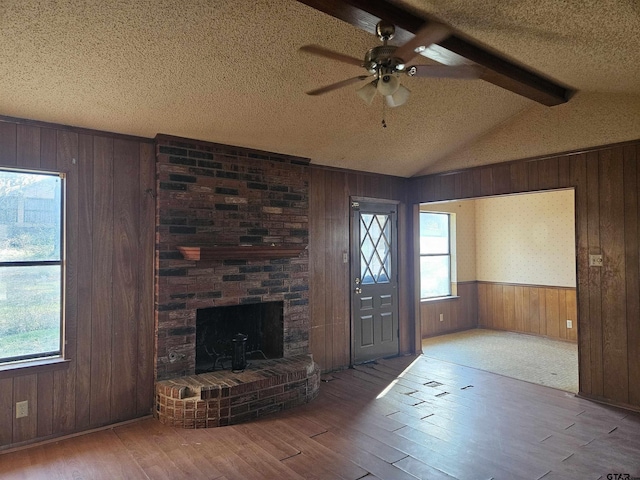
[{"x": 382, "y": 201}]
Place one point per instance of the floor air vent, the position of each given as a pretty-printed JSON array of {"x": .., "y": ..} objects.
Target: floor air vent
[{"x": 433, "y": 384}]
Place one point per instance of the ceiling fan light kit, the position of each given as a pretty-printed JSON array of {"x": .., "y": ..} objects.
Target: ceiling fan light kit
[
  {"x": 367, "y": 92},
  {"x": 385, "y": 63},
  {"x": 399, "y": 98},
  {"x": 388, "y": 84}
]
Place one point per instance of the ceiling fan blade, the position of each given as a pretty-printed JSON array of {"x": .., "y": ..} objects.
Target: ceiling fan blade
[
  {"x": 468, "y": 72},
  {"x": 337, "y": 85},
  {"x": 434, "y": 32},
  {"x": 324, "y": 52}
]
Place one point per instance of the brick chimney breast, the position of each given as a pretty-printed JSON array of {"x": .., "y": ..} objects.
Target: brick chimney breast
[{"x": 210, "y": 194}]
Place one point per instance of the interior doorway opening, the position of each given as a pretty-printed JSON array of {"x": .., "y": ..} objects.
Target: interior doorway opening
[{"x": 512, "y": 292}]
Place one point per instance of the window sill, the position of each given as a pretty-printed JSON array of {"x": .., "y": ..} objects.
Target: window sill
[
  {"x": 30, "y": 367},
  {"x": 439, "y": 299}
]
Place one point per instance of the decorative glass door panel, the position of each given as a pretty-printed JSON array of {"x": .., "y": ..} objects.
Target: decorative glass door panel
[{"x": 375, "y": 248}]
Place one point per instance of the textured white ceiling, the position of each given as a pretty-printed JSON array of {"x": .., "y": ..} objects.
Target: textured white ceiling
[{"x": 230, "y": 72}]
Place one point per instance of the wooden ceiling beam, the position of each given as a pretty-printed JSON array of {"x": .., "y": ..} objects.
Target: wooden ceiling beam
[{"x": 500, "y": 71}]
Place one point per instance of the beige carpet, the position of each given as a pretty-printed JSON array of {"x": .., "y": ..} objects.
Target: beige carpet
[{"x": 526, "y": 357}]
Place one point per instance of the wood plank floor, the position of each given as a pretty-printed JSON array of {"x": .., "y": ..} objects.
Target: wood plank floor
[{"x": 401, "y": 418}]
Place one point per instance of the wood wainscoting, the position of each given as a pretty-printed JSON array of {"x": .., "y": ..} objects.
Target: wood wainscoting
[
  {"x": 458, "y": 313},
  {"x": 540, "y": 310},
  {"x": 110, "y": 218}
]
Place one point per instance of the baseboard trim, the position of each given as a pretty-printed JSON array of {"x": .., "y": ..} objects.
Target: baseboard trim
[
  {"x": 611, "y": 403},
  {"x": 455, "y": 330},
  {"x": 573, "y": 342},
  {"x": 57, "y": 438}
]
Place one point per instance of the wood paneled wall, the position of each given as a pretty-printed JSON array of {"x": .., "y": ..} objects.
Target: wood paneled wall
[
  {"x": 110, "y": 215},
  {"x": 457, "y": 313},
  {"x": 606, "y": 183},
  {"x": 329, "y": 281},
  {"x": 528, "y": 309}
]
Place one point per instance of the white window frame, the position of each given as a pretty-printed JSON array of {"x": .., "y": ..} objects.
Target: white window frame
[{"x": 450, "y": 253}]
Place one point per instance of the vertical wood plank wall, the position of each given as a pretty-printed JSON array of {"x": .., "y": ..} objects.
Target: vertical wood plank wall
[
  {"x": 531, "y": 309},
  {"x": 329, "y": 281},
  {"x": 606, "y": 185},
  {"x": 457, "y": 313},
  {"x": 109, "y": 291}
]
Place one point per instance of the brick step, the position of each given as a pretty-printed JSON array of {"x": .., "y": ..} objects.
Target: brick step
[{"x": 224, "y": 397}]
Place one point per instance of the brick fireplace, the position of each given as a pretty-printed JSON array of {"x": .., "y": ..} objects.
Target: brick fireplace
[{"x": 213, "y": 195}]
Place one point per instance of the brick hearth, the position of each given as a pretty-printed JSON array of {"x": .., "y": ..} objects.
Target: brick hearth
[{"x": 223, "y": 398}]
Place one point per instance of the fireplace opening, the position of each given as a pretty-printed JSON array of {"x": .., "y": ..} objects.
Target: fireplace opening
[{"x": 262, "y": 323}]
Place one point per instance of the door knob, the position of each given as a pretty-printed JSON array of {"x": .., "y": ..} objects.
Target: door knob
[{"x": 358, "y": 290}]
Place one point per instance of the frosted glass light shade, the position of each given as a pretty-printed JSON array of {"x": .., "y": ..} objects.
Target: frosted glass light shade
[
  {"x": 388, "y": 84},
  {"x": 367, "y": 92},
  {"x": 399, "y": 97}
]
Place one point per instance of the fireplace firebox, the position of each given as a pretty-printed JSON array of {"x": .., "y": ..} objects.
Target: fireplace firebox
[{"x": 216, "y": 328}]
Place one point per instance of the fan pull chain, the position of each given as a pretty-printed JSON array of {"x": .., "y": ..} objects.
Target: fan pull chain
[{"x": 384, "y": 109}]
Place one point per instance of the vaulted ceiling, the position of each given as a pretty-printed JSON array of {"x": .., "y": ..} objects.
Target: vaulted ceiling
[{"x": 231, "y": 72}]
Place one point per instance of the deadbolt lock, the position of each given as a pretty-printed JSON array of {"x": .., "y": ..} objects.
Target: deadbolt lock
[{"x": 357, "y": 281}]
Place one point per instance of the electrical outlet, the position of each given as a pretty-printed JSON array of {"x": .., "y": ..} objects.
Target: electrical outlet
[
  {"x": 569, "y": 324},
  {"x": 22, "y": 409},
  {"x": 442, "y": 317},
  {"x": 595, "y": 261}
]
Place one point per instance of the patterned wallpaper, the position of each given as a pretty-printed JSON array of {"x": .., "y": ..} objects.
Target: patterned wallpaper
[
  {"x": 465, "y": 235},
  {"x": 527, "y": 239}
]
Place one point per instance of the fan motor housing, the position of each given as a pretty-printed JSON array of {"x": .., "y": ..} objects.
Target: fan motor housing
[{"x": 382, "y": 56}]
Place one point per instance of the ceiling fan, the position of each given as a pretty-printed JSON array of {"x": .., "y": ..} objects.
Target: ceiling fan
[{"x": 385, "y": 63}]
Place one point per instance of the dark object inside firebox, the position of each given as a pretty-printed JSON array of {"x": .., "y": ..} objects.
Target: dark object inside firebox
[{"x": 216, "y": 327}]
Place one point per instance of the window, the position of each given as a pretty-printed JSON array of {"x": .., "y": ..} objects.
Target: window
[
  {"x": 31, "y": 265},
  {"x": 435, "y": 255}
]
